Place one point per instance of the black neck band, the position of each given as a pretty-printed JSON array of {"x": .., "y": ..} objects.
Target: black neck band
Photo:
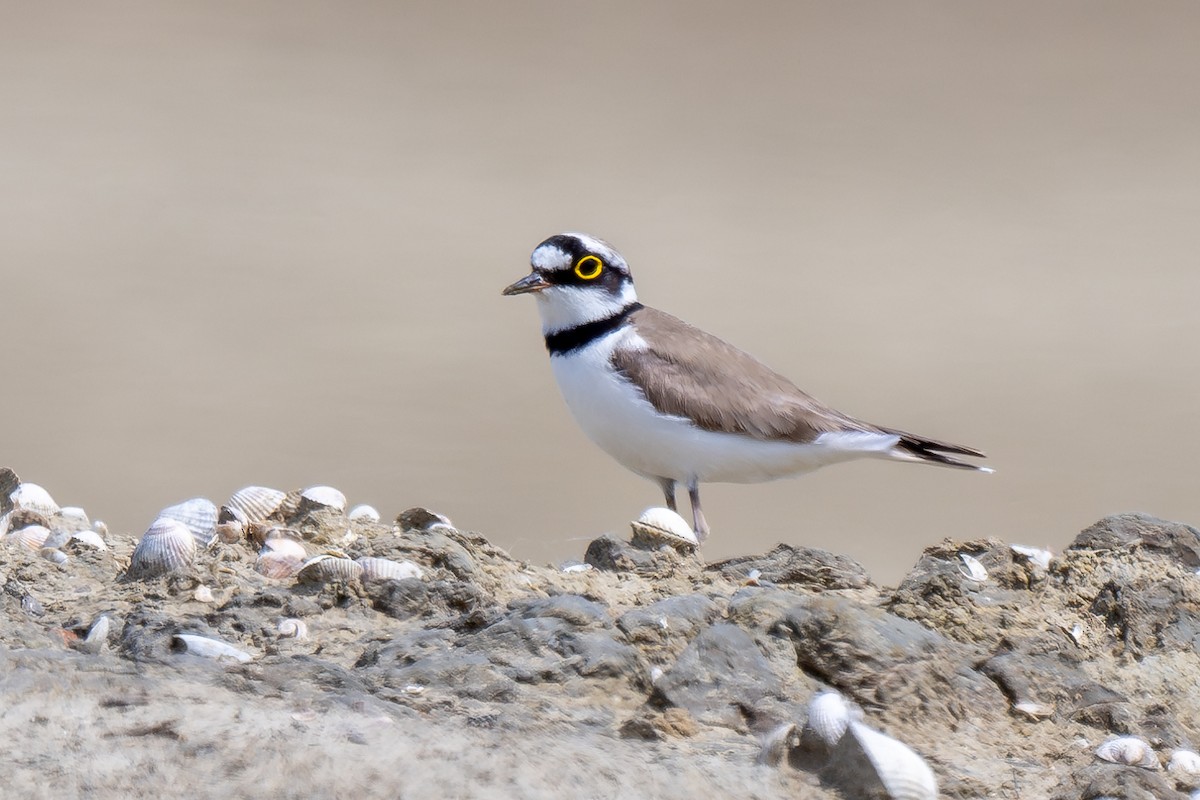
[{"x": 563, "y": 342}]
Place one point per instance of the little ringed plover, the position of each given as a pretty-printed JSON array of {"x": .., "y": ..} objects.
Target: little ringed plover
[{"x": 677, "y": 405}]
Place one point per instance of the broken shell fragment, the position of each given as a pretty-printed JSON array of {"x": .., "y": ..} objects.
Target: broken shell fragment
[
  {"x": 363, "y": 513},
  {"x": 292, "y": 628},
  {"x": 777, "y": 743},
  {"x": 872, "y": 759},
  {"x": 256, "y": 503},
  {"x": 209, "y": 648},
  {"x": 166, "y": 546},
  {"x": 328, "y": 569},
  {"x": 383, "y": 569},
  {"x": 53, "y": 555},
  {"x": 1128, "y": 750},
  {"x": 1035, "y": 555},
  {"x": 323, "y": 497},
  {"x": 662, "y": 526},
  {"x": 972, "y": 568},
  {"x": 422, "y": 519},
  {"x": 198, "y": 514},
  {"x": 97, "y": 636}
]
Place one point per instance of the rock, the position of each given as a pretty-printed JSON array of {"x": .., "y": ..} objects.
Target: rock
[
  {"x": 1120, "y": 531},
  {"x": 788, "y": 565}
]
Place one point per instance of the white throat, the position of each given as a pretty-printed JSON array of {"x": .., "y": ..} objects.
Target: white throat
[{"x": 566, "y": 307}]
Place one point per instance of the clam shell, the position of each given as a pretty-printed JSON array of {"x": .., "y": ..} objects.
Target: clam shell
[
  {"x": 327, "y": 569},
  {"x": 31, "y": 537},
  {"x": 166, "y": 546},
  {"x": 34, "y": 498},
  {"x": 972, "y": 568},
  {"x": 198, "y": 514},
  {"x": 256, "y": 503},
  {"x": 864, "y": 752},
  {"x": 1128, "y": 750},
  {"x": 828, "y": 717},
  {"x": 658, "y": 526},
  {"x": 382, "y": 569},
  {"x": 209, "y": 648},
  {"x": 271, "y": 564},
  {"x": 89, "y": 538},
  {"x": 324, "y": 497},
  {"x": 292, "y": 628},
  {"x": 363, "y": 513},
  {"x": 285, "y": 546},
  {"x": 1184, "y": 762}
]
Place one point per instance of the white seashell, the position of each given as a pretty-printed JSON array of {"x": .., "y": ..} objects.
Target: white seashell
[
  {"x": 828, "y": 716},
  {"x": 32, "y": 497},
  {"x": 972, "y": 568},
  {"x": 272, "y": 564},
  {"x": 578, "y": 568},
  {"x": 198, "y": 514},
  {"x": 256, "y": 503},
  {"x": 100, "y": 527},
  {"x": 1036, "y": 555},
  {"x": 166, "y": 546},
  {"x": 53, "y": 555},
  {"x": 1184, "y": 762},
  {"x": 97, "y": 636},
  {"x": 210, "y": 648},
  {"x": 777, "y": 743},
  {"x": 203, "y": 594},
  {"x": 327, "y": 569},
  {"x": 89, "y": 538},
  {"x": 659, "y": 526},
  {"x": 903, "y": 773},
  {"x": 1128, "y": 750},
  {"x": 382, "y": 569},
  {"x": 325, "y": 496},
  {"x": 74, "y": 517},
  {"x": 1033, "y": 710},
  {"x": 292, "y": 628},
  {"x": 31, "y": 537},
  {"x": 656, "y": 674},
  {"x": 363, "y": 513},
  {"x": 284, "y": 546},
  {"x": 422, "y": 519}
]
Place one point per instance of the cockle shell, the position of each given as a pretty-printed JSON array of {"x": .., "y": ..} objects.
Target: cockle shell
[
  {"x": 902, "y": 773},
  {"x": 327, "y": 569},
  {"x": 74, "y": 518},
  {"x": 31, "y": 537},
  {"x": 209, "y": 648},
  {"x": 89, "y": 538},
  {"x": 324, "y": 497},
  {"x": 32, "y": 497},
  {"x": 1184, "y": 762},
  {"x": 382, "y": 569},
  {"x": 1128, "y": 750},
  {"x": 272, "y": 564},
  {"x": 198, "y": 514},
  {"x": 292, "y": 628},
  {"x": 166, "y": 546},
  {"x": 256, "y": 503},
  {"x": 363, "y": 513},
  {"x": 659, "y": 526},
  {"x": 828, "y": 717},
  {"x": 285, "y": 546}
]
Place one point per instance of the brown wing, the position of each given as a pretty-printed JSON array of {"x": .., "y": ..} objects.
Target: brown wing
[{"x": 689, "y": 373}]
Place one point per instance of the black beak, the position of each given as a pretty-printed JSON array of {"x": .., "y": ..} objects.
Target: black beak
[{"x": 530, "y": 283}]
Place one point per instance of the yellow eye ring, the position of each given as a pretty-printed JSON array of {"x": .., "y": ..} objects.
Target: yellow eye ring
[{"x": 589, "y": 268}]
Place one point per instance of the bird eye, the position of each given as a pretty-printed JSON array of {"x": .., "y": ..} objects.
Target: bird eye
[{"x": 589, "y": 267}]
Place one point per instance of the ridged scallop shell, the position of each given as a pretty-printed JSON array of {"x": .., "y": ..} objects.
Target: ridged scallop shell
[
  {"x": 1128, "y": 750},
  {"x": 383, "y": 569},
  {"x": 363, "y": 513},
  {"x": 658, "y": 526},
  {"x": 34, "y": 498},
  {"x": 327, "y": 569},
  {"x": 166, "y": 546},
  {"x": 209, "y": 648},
  {"x": 903, "y": 774},
  {"x": 256, "y": 503},
  {"x": 828, "y": 717},
  {"x": 292, "y": 628},
  {"x": 198, "y": 514},
  {"x": 31, "y": 537},
  {"x": 324, "y": 497}
]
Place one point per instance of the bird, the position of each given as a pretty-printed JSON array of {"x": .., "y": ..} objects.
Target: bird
[{"x": 680, "y": 406}]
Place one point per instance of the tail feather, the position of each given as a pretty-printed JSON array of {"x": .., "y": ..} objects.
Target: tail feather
[{"x": 931, "y": 451}]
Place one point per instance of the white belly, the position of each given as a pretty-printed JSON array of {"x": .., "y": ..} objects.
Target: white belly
[{"x": 614, "y": 414}]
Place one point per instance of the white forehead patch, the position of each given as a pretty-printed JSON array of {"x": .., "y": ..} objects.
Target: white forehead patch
[{"x": 549, "y": 258}]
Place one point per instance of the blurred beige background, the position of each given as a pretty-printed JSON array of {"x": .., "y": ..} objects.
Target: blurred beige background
[{"x": 264, "y": 243}]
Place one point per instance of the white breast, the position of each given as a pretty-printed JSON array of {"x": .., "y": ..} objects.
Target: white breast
[{"x": 614, "y": 414}]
